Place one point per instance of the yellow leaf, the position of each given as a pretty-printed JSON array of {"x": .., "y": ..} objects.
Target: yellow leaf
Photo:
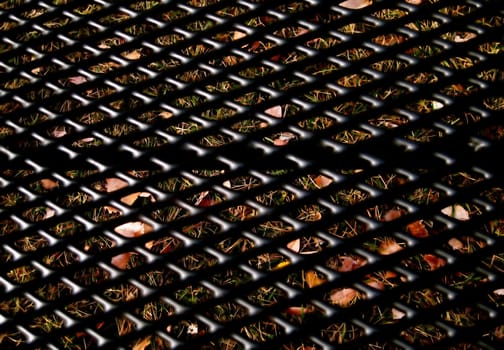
[
  {"x": 312, "y": 279},
  {"x": 281, "y": 265}
]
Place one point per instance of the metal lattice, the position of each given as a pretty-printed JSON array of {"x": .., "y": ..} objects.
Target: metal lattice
[{"x": 251, "y": 174}]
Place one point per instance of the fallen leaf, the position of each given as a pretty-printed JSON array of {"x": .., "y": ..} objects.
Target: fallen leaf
[
  {"x": 437, "y": 105},
  {"x": 49, "y": 213},
  {"x": 133, "y": 229},
  {"x": 165, "y": 114},
  {"x": 121, "y": 261},
  {"x": 455, "y": 244},
  {"x": 132, "y": 198},
  {"x": 58, "y": 132},
  {"x": 417, "y": 229},
  {"x": 281, "y": 265},
  {"x": 48, "y": 184},
  {"x": 397, "y": 314},
  {"x": 192, "y": 328},
  {"x": 77, "y": 80},
  {"x": 111, "y": 210},
  {"x": 300, "y": 310},
  {"x": 284, "y": 138},
  {"x": 113, "y": 184},
  {"x": 392, "y": 214},
  {"x": 312, "y": 279},
  {"x": 142, "y": 344},
  {"x": 350, "y": 263},
  {"x": 373, "y": 282},
  {"x": 238, "y": 35},
  {"x": 499, "y": 291},
  {"x": 414, "y": 2},
  {"x": 457, "y": 212},
  {"x": 275, "y": 112},
  {"x": 355, "y": 4},
  {"x": 86, "y": 140},
  {"x": 322, "y": 181},
  {"x": 294, "y": 245},
  {"x": 344, "y": 297},
  {"x": 389, "y": 246},
  {"x": 132, "y": 55},
  {"x": 434, "y": 261},
  {"x": 463, "y": 37}
]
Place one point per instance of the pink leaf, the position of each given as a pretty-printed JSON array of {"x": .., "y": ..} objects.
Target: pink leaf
[
  {"x": 344, "y": 297},
  {"x": 355, "y": 4},
  {"x": 275, "y": 112},
  {"x": 77, "y": 80}
]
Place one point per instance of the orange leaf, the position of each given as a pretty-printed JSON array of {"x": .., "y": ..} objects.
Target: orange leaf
[
  {"x": 121, "y": 261},
  {"x": 48, "y": 184},
  {"x": 392, "y": 214},
  {"x": 389, "y": 246},
  {"x": 113, "y": 184},
  {"x": 455, "y": 244},
  {"x": 417, "y": 229},
  {"x": 165, "y": 114},
  {"x": 132, "y": 55},
  {"x": 294, "y": 245},
  {"x": 344, "y": 297},
  {"x": 300, "y": 310},
  {"x": 322, "y": 181},
  {"x": 434, "y": 261},
  {"x": 142, "y": 344},
  {"x": 131, "y": 198},
  {"x": 312, "y": 279}
]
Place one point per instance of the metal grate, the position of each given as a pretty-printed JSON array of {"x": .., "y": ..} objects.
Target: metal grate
[{"x": 251, "y": 174}]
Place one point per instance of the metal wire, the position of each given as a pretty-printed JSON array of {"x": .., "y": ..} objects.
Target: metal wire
[{"x": 251, "y": 174}]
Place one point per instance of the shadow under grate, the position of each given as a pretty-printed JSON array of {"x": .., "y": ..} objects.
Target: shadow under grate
[{"x": 242, "y": 175}]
